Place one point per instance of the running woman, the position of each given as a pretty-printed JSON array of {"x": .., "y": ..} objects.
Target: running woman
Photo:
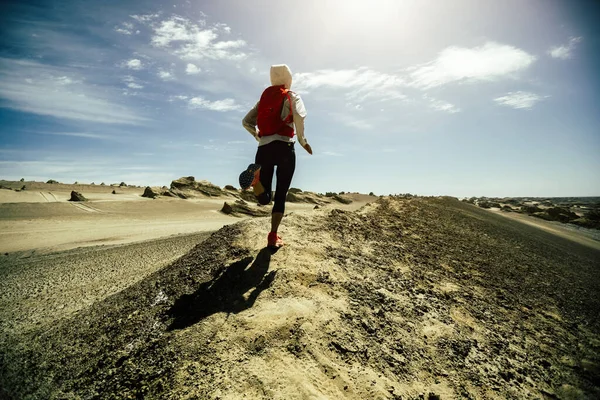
[{"x": 274, "y": 122}]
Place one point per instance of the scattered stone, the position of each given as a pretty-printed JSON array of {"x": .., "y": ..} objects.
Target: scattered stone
[
  {"x": 586, "y": 223},
  {"x": 241, "y": 207},
  {"x": 189, "y": 185},
  {"x": 227, "y": 209},
  {"x": 342, "y": 199},
  {"x": 561, "y": 214},
  {"x": 151, "y": 193},
  {"x": 530, "y": 209},
  {"x": 76, "y": 196},
  {"x": 488, "y": 204},
  {"x": 186, "y": 182},
  {"x": 114, "y": 192}
]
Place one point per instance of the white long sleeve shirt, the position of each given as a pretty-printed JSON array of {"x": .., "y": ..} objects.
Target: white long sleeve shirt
[{"x": 299, "y": 112}]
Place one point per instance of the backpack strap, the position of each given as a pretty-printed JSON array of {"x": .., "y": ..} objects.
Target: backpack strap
[{"x": 290, "y": 116}]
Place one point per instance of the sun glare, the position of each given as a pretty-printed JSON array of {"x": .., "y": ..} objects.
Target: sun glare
[{"x": 369, "y": 14}]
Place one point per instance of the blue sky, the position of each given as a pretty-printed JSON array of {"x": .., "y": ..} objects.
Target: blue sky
[{"x": 429, "y": 97}]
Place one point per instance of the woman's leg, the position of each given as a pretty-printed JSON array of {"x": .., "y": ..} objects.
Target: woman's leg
[
  {"x": 265, "y": 158},
  {"x": 286, "y": 165}
]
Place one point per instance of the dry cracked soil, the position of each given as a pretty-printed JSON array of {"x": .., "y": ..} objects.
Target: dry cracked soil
[{"x": 406, "y": 298}]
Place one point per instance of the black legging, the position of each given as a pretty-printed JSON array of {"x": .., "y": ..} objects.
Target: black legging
[{"x": 282, "y": 155}]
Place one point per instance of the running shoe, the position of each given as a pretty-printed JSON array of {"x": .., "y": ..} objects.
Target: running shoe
[
  {"x": 250, "y": 176},
  {"x": 274, "y": 240}
]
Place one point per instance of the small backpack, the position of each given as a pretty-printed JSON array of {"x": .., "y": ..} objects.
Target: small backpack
[{"x": 269, "y": 120}]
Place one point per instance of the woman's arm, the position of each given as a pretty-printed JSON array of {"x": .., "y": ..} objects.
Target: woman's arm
[
  {"x": 299, "y": 115},
  {"x": 249, "y": 121}
]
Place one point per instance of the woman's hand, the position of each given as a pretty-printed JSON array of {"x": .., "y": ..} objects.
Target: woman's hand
[{"x": 308, "y": 148}]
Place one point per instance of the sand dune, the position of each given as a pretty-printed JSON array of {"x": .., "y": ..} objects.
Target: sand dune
[
  {"x": 41, "y": 219},
  {"x": 404, "y": 298}
]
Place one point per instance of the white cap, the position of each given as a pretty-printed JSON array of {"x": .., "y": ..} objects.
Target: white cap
[{"x": 281, "y": 75}]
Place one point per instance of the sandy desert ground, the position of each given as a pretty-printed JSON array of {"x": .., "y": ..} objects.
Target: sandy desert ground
[
  {"x": 41, "y": 219},
  {"x": 401, "y": 298}
]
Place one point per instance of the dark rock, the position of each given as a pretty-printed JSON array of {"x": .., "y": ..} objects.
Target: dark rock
[
  {"x": 561, "y": 214},
  {"x": 230, "y": 187},
  {"x": 247, "y": 195},
  {"x": 241, "y": 207},
  {"x": 433, "y": 396},
  {"x": 178, "y": 193},
  {"x": 530, "y": 209},
  {"x": 227, "y": 209},
  {"x": 151, "y": 193},
  {"x": 342, "y": 199},
  {"x": 542, "y": 215},
  {"x": 76, "y": 196},
  {"x": 114, "y": 192},
  {"x": 186, "y": 182},
  {"x": 586, "y": 223},
  {"x": 292, "y": 198},
  {"x": 488, "y": 204},
  {"x": 593, "y": 215},
  {"x": 294, "y": 190},
  {"x": 186, "y": 186},
  {"x": 316, "y": 207}
]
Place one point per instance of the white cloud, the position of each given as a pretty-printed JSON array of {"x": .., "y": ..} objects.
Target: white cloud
[
  {"x": 444, "y": 106},
  {"x": 564, "y": 52},
  {"x": 218, "y": 105},
  {"x": 519, "y": 100},
  {"x": 180, "y": 97},
  {"x": 86, "y": 135},
  {"x": 360, "y": 83},
  {"x": 223, "y": 27},
  {"x": 440, "y": 105},
  {"x": 145, "y": 17},
  {"x": 126, "y": 28},
  {"x": 64, "y": 80},
  {"x": 132, "y": 85},
  {"x": 193, "y": 42},
  {"x": 192, "y": 69},
  {"x": 484, "y": 63},
  {"x": 41, "y": 89},
  {"x": 131, "y": 82},
  {"x": 165, "y": 75},
  {"x": 134, "y": 64}
]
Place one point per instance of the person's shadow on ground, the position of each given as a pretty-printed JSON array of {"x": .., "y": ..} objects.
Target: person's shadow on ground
[{"x": 224, "y": 293}]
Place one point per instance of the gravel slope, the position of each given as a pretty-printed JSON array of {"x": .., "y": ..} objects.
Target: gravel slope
[{"x": 38, "y": 290}]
